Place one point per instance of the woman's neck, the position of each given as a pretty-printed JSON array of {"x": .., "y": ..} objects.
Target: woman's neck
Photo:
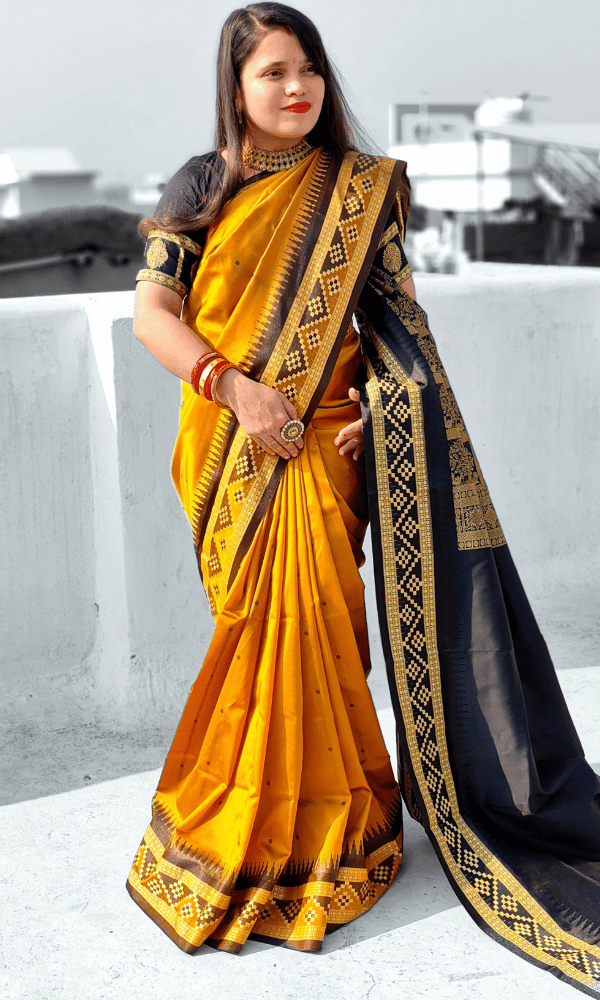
[{"x": 247, "y": 172}]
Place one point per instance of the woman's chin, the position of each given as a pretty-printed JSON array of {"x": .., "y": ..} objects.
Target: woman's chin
[{"x": 292, "y": 131}]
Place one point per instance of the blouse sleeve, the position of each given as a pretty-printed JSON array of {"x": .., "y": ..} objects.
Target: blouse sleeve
[
  {"x": 172, "y": 258},
  {"x": 390, "y": 257}
]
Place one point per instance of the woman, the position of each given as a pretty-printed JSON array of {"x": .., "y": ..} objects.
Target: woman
[{"x": 277, "y": 814}]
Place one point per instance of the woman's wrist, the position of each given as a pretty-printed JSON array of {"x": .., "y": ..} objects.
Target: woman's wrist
[{"x": 224, "y": 390}]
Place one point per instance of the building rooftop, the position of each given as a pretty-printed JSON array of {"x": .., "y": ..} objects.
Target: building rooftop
[
  {"x": 21, "y": 163},
  {"x": 582, "y": 135}
]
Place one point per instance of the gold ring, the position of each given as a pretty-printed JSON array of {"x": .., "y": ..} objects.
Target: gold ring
[{"x": 292, "y": 430}]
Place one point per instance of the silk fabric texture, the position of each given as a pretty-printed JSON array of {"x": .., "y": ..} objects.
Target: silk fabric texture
[{"x": 277, "y": 813}]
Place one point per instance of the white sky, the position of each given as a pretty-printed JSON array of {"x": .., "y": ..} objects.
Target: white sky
[{"x": 129, "y": 85}]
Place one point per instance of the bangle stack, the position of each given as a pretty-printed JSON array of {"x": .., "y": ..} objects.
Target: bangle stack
[{"x": 206, "y": 372}]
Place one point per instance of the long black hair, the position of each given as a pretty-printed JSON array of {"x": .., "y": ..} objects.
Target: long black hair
[{"x": 337, "y": 129}]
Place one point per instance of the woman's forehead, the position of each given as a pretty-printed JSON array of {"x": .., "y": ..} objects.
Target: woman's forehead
[{"x": 278, "y": 45}]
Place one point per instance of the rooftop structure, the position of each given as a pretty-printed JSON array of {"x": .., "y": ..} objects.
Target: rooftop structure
[
  {"x": 470, "y": 158},
  {"x": 34, "y": 178}
]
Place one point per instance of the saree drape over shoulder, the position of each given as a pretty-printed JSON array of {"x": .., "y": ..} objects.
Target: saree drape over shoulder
[{"x": 277, "y": 814}]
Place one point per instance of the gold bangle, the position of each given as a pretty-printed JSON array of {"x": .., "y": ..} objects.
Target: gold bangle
[{"x": 198, "y": 368}]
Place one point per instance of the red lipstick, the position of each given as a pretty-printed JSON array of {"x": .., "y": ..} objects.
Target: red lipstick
[{"x": 300, "y": 108}]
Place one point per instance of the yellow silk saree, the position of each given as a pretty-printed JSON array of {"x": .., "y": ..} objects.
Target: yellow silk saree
[{"x": 277, "y": 813}]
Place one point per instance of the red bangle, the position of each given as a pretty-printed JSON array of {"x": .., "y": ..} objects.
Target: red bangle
[
  {"x": 221, "y": 367},
  {"x": 199, "y": 367},
  {"x": 207, "y": 380},
  {"x": 218, "y": 368}
]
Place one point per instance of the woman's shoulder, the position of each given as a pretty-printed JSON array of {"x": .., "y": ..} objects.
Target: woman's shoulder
[
  {"x": 188, "y": 188},
  {"x": 202, "y": 164}
]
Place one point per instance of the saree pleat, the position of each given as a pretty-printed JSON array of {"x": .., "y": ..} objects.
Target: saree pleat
[{"x": 277, "y": 812}]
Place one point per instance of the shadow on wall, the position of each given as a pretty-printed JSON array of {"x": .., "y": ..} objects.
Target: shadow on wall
[{"x": 63, "y": 251}]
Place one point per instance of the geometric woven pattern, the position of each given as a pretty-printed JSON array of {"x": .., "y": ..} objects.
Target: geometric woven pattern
[
  {"x": 300, "y": 352},
  {"x": 477, "y": 524},
  {"x": 499, "y": 900},
  {"x": 194, "y": 898}
]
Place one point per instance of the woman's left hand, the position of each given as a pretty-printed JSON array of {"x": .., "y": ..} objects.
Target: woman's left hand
[{"x": 351, "y": 437}]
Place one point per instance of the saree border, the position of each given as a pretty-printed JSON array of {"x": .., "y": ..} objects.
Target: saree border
[
  {"x": 303, "y": 358},
  {"x": 491, "y": 894},
  {"x": 190, "y": 896},
  {"x": 477, "y": 524},
  {"x": 304, "y": 233}
]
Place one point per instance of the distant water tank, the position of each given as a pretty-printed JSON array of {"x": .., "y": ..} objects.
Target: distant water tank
[{"x": 502, "y": 110}]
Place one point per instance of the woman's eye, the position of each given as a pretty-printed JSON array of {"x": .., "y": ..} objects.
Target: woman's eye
[{"x": 277, "y": 72}]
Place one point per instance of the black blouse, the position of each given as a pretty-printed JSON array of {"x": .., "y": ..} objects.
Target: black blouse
[{"x": 171, "y": 259}]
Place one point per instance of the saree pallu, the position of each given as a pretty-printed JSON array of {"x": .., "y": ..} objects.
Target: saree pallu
[
  {"x": 277, "y": 813},
  {"x": 488, "y": 758}
]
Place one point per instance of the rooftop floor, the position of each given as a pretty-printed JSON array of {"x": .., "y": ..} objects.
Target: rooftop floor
[{"x": 75, "y": 932}]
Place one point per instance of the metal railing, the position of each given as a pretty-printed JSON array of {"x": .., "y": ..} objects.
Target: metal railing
[{"x": 572, "y": 174}]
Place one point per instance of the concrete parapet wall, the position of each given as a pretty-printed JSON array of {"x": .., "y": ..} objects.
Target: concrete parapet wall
[
  {"x": 522, "y": 351},
  {"x": 102, "y": 606},
  {"x": 102, "y": 603}
]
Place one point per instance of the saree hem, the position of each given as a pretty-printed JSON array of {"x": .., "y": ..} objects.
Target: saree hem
[{"x": 302, "y": 903}]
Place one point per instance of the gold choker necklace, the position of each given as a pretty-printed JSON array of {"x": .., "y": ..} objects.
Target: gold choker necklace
[{"x": 275, "y": 159}]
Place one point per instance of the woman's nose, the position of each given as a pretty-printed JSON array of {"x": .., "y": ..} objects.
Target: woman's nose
[{"x": 294, "y": 86}]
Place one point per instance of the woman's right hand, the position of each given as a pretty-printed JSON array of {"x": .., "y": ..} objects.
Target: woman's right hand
[{"x": 261, "y": 411}]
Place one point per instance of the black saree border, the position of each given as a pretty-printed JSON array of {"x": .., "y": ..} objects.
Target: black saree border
[{"x": 403, "y": 555}]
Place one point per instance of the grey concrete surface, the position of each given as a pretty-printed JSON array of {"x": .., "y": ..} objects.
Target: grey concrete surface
[
  {"x": 70, "y": 930},
  {"x": 104, "y": 619},
  {"x": 77, "y": 776}
]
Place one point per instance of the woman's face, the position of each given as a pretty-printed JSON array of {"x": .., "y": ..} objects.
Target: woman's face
[{"x": 276, "y": 76}]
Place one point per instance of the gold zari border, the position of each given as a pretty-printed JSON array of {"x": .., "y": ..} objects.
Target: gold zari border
[
  {"x": 300, "y": 355},
  {"x": 389, "y": 234},
  {"x": 195, "y": 910},
  {"x": 179, "y": 238},
  {"x": 403, "y": 275},
  {"x": 166, "y": 280},
  {"x": 477, "y": 524}
]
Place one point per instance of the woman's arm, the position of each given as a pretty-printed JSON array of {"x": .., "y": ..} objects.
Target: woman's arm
[
  {"x": 261, "y": 410},
  {"x": 408, "y": 286},
  {"x": 157, "y": 324}
]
